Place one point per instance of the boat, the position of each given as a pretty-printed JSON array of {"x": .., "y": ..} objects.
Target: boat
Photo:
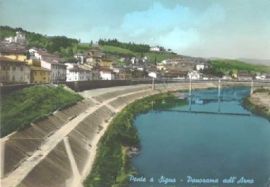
[{"x": 198, "y": 101}]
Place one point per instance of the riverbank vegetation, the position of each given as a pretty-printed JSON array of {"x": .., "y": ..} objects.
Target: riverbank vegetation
[
  {"x": 255, "y": 108},
  {"x": 112, "y": 165},
  {"x": 22, "y": 107}
]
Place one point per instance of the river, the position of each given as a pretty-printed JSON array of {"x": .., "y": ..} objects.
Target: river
[{"x": 204, "y": 149}]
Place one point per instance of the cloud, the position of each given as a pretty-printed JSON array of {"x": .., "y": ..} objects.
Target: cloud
[
  {"x": 224, "y": 28},
  {"x": 176, "y": 27},
  {"x": 156, "y": 18},
  {"x": 179, "y": 38}
]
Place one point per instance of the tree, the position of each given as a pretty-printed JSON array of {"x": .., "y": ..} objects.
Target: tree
[{"x": 131, "y": 46}]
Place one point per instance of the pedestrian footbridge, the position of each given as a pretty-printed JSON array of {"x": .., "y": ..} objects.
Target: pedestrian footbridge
[{"x": 209, "y": 112}]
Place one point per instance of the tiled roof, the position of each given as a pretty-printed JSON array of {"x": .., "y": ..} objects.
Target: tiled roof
[
  {"x": 12, "y": 49},
  {"x": 48, "y": 57}
]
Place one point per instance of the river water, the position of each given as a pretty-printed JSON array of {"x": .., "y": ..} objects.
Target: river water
[{"x": 204, "y": 149}]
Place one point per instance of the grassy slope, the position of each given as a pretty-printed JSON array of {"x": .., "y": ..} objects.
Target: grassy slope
[
  {"x": 82, "y": 47},
  {"x": 112, "y": 165},
  {"x": 159, "y": 56},
  {"x": 24, "y": 106},
  {"x": 117, "y": 51},
  {"x": 225, "y": 66}
]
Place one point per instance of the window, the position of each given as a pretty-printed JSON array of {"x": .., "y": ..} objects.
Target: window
[
  {"x": 21, "y": 68},
  {"x": 13, "y": 68}
]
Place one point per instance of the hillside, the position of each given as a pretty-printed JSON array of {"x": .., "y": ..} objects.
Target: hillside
[
  {"x": 22, "y": 107},
  {"x": 122, "y": 49},
  {"x": 221, "y": 67},
  {"x": 123, "y": 52},
  {"x": 67, "y": 47},
  {"x": 62, "y": 45},
  {"x": 140, "y": 48},
  {"x": 256, "y": 61}
]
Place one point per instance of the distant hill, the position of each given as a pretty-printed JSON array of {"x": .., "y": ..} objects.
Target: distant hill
[
  {"x": 256, "y": 61},
  {"x": 221, "y": 67}
]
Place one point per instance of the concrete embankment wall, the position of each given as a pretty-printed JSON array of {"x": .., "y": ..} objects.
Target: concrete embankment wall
[
  {"x": 80, "y": 139},
  {"x": 21, "y": 145},
  {"x": 55, "y": 169},
  {"x": 94, "y": 84},
  {"x": 82, "y": 85}
]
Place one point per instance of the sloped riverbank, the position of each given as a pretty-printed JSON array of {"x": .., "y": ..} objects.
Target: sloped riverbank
[
  {"x": 113, "y": 161},
  {"x": 259, "y": 103}
]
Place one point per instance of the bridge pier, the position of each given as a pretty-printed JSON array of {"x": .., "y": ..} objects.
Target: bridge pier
[
  {"x": 190, "y": 94},
  {"x": 219, "y": 87},
  {"x": 219, "y": 94}
]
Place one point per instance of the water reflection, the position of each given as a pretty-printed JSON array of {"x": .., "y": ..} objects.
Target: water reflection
[{"x": 201, "y": 148}]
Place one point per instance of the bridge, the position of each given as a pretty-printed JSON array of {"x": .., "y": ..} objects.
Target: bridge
[
  {"x": 209, "y": 112},
  {"x": 219, "y": 97}
]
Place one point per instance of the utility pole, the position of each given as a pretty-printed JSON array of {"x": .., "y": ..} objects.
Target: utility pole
[
  {"x": 190, "y": 93},
  {"x": 219, "y": 88},
  {"x": 251, "y": 87},
  {"x": 190, "y": 87}
]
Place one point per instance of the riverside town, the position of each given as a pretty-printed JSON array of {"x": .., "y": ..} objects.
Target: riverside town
[{"x": 138, "y": 93}]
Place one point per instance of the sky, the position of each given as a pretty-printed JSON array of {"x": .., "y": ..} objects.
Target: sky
[{"x": 205, "y": 28}]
